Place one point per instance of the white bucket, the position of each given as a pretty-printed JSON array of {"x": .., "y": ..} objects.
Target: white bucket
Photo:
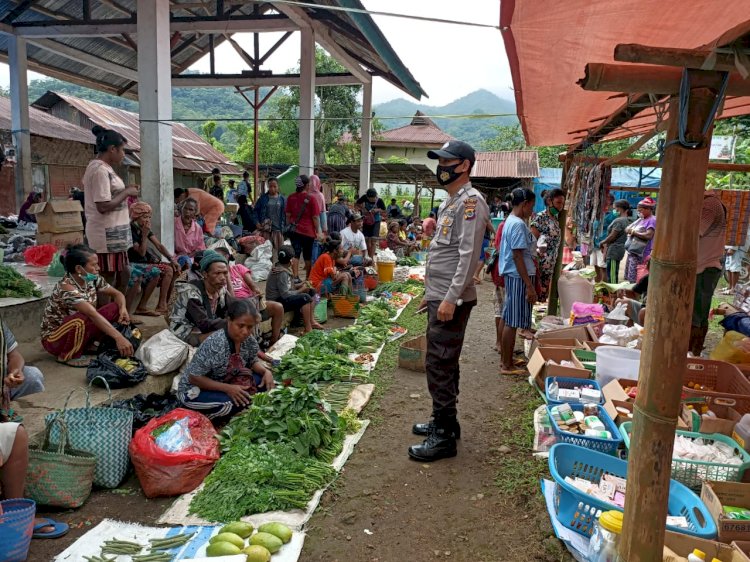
[
  {"x": 573, "y": 288},
  {"x": 614, "y": 362}
]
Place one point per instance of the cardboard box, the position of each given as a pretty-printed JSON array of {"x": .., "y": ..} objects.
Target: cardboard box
[
  {"x": 581, "y": 334},
  {"x": 681, "y": 545},
  {"x": 411, "y": 354},
  {"x": 724, "y": 422},
  {"x": 613, "y": 392},
  {"x": 59, "y": 240},
  {"x": 570, "y": 343},
  {"x": 735, "y": 494},
  {"x": 540, "y": 369},
  {"x": 58, "y": 215},
  {"x": 743, "y": 547}
]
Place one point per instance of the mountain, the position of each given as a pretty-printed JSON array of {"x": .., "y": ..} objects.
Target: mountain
[{"x": 475, "y": 131}]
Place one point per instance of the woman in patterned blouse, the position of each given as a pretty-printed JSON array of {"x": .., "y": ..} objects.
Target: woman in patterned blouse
[
  {"x": 226, "y": 372},
  {"x": 71, "y": 321}
]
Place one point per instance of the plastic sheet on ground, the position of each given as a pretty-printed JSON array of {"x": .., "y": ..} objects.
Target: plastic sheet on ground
[
  {"x": 575, "y": 543},
  {"x": 178, "y": 513},
  {"x": 90, "y": 543}
]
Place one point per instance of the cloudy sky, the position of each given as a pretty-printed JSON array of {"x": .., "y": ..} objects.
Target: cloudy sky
[{"x": 448, "y": 60}]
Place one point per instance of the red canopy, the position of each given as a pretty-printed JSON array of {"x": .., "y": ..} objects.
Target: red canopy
[{"x": 549, "y": 43}]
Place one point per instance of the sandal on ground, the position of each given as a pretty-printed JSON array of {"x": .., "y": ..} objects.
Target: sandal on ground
[
  {"x": 58, "y": 529},
  {"x": 512, "y": 372},
  {"x": 520, "y": 362},
  {"x": 147, "y": 313},
  {"x": 81, "y": 362}
]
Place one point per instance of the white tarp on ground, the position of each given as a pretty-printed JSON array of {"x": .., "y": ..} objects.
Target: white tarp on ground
[
  {"x": 178, "y": 514},
  {"x": 90, "y": 544}
]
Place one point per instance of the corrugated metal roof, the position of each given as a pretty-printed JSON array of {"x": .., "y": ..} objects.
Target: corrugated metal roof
[
  {"x": 44, "y": 125},
  {"x": 355, "y": 33},
  {"x": 190, "y": 151},
  {"x": 421, "y": 131},
  {"x": 506, "y": 164}
]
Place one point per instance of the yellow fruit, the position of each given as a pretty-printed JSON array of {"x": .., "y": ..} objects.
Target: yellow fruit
[
  {"x": 239, "y": 528},
  {"x": 257, "y": 553},
  {"x": 231, "y": 538},
  {"x": 278, "y": 530},
  {"x": 271, "y": 542},
  {"x": 221, "y": 548}
]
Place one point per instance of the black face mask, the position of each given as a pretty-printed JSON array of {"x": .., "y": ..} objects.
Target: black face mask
[{"x": 447, "y": 174}]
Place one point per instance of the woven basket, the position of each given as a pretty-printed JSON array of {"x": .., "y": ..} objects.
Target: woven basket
[
  {"x": 345, "y": 306},
  {"x": 103, "y": 432},
  {"x": 59, "y": 475},
  {"x": 16, "y": 528}
]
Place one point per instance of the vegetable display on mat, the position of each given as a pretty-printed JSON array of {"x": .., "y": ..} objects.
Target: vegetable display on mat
[
  {"x": 306, "y": 364},
  {"x": 408, "y": 261},
  {"x": 410, "y": 286},
  {"x": 13, "y": 284}
]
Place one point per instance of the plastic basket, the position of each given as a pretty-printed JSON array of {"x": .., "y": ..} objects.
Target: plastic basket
[
  {"x": 694, "y": 473},
  {"x": 569, "y": 383},
  {"x": 724, "y": 379},
  {"x": 16, "y": 528},
  {"x": 585, "y": 356},
  {"x": 577, "y": 510},
  {"x": 321, "y": 311},
  {"x": 607, "y": 446}
]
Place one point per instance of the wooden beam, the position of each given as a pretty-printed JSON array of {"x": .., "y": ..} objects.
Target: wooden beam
[
  {"x": 103, "y": 28},
  {"x": 662, "y": 80},
  {"x": 275, "y": 46},
  {"x": 17, "y": 10},
  {"x": 84, "y": 58},
  {"x": 231, "y": 80},
  {"x": 713, "y": 166},
  {"x": 671, "y": 292},
  {"x": 244, "y": 55},
  {"x": 689, "y": 58}
]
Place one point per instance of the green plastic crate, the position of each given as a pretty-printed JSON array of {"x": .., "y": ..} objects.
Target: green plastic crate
[{"x": 586, "y": 358}]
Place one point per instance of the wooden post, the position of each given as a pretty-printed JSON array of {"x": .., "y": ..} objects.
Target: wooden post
[
  {"x": 552, "y": 300},
  {"x": 665, "y": 343}
]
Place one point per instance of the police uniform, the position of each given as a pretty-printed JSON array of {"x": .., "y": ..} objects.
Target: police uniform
[{"x": 452, "y": 258}]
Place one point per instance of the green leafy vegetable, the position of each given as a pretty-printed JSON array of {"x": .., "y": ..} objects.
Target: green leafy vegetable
[{"x": 13, "y": 284}]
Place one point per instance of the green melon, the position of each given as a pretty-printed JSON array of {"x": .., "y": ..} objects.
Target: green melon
[{"x": 271, "y": 542}]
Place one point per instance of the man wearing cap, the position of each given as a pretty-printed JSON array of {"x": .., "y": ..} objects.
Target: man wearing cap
[{"x": 449, "y": 295}]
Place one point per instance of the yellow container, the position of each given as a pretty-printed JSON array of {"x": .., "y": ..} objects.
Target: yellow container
[
  {"x": 385, "y": 271},
  {"x": 426, "y": 243}
]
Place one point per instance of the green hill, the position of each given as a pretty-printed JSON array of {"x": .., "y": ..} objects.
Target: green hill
[{"x": 475, "y": 131}]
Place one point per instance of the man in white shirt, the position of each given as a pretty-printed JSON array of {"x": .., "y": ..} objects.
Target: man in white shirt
[{"x": 353, "y": 241}]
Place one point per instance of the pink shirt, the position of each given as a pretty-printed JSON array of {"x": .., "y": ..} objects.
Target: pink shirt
[
  {"x": 187, "y": 242},
  {"x": 106, "y": 233},
  {"x": 237, "y": 278}
]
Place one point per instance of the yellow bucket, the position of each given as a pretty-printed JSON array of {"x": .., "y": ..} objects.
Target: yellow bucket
[
  {"x": 426, "y": 243},
  {"x": 385, "y": 271}
]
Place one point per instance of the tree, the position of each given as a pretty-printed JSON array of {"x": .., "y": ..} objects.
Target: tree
[
  {"x": 272, "y": 149},
  {"x": 337, "y": 110},
  {"x": 208, "y": 131}
]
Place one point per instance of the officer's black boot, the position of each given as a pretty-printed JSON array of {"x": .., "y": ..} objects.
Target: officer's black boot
[
  {"x": 425, "y": 428},
  {"x": 440, "y": 443}
]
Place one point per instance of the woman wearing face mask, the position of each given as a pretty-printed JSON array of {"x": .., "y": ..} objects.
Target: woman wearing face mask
[
  {"x": 640, "y": 238},
  {"x": 545, "y": 227},
  {"x": 71, "y": 321}
]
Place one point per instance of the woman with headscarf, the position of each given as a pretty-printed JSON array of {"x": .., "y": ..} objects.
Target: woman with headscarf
[
  {"x": 147, "y": 268},
  {"x": 107, "y": 219},
  {"x": 640, "y": 239},
  {"x": 33, "y": 198}
]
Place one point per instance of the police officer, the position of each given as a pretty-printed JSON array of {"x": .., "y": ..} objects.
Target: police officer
[{"x": 449, "y": 295}]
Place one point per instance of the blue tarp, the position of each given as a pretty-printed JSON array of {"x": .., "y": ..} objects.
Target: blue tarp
[{"x": 549, "y": 178}]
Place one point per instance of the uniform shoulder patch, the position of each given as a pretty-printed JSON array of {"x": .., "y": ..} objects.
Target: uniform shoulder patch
[{"x": 470, "y": 208}]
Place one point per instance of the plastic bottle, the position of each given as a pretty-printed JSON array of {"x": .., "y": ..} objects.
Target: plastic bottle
[
  {"x": 605, "y": 538},
  {"x": 741, "y": 432},
  {"x": 697, "y": 556},
  {"x": 554, "y": 389}
]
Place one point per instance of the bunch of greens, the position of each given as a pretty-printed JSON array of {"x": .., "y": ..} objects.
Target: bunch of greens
[
  {"x": 407, "y": 261},
  {"x": 306, "y": 364},
  {"x": 377, "y": 313},
  {"x": 13, "y": 284},
  {"x": 411, "y": 286},
  {"x": 294, "y": 415},
  {"x": 259, "y": 477}
]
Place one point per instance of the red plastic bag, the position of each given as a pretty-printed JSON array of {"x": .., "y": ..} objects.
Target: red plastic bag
[
  {"x": 40, "y": 255},
  {"x": 162, "y": 473}
]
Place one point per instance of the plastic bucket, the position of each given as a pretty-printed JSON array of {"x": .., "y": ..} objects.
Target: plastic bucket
[
  {"x": 614, "y": 362},
  {"x": 16, "y": 528},
  {"x": 385, "y": 271}
]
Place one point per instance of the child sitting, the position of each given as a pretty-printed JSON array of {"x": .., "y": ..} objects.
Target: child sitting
[{"x": 297, "y": 298}]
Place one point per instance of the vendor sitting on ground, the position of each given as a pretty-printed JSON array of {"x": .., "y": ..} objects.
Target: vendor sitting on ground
[
  {"x": 400, "y": 247},
  {"x": 24, "y": 215},
  {"x": 297, "y": 298},
  {"x": 353, "y": 242},
  {"x": 71, "y": 322},
  {"x": 635, "y": 300},
  {"x": 226, "y": 372},
  {"x": 242, "y": 286},
  {"x": 21, "y": 379},
  {"x": 188, "y": 236},
  {"x": 325, "y": 276},
  {"x": 146, "y": 267}
]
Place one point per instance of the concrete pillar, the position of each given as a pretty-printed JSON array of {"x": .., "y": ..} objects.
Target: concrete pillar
[
  {"x": 307, "y": 102},
  {"x": 19, "y": 116},
  {"x": 366, "y": 138},
  {"x": 155, "y": 106}
]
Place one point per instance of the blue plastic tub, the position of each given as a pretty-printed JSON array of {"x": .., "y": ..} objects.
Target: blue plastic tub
[
  {"x": 16, "y": 528},
  {"x": 577, "y": 510},
  {"x": 569, "y": 383},
  {"x": 608, "y": 446}
]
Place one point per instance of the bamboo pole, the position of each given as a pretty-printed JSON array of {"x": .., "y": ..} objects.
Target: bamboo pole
[
  {"x": 691, "y": 58},
  {"x": 552, "y": 300},
  {"x": 665, "y": 344}
]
